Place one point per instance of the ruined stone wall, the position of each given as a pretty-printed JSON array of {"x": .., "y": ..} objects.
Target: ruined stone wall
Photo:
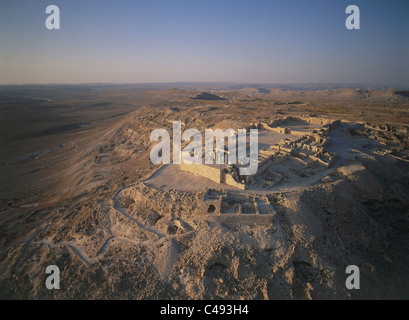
[
  {"x": 230, "y": 181},
  {"x": 302, "y": 162},
  {"x": 281, "y": 130},
  {"x": 318, "y": 121},
  {"x": 212, "y": 173},
  {"x": 319, "y": 161},
  {"x": 205, "y": 207}
]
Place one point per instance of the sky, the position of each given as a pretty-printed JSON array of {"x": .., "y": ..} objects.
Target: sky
[{"x": 247, "y": 41}]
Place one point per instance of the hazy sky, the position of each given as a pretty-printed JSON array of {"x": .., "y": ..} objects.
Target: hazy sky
[{"x": 268, "y": 41}]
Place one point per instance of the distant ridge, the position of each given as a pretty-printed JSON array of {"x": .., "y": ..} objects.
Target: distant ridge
[
  {"x": 198, "y": 86},
  {"x": 207, "y": 96}
]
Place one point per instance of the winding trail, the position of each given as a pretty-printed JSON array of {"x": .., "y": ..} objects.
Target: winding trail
[
  {"x": 74, "y": 248},
  {"x": 119, "y": 208}
]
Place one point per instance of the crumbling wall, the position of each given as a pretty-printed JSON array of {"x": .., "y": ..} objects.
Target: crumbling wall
[
  {"x": 230, "y": 181},
  {"x": 318, "y": 120},
  {"x": 212, "y": 206},
  {"x": 281, "y": 130},
  {"x": 213, "y": 173},
  {"x": 212, "y": 201},
  {"x": 209, "y": 172}
]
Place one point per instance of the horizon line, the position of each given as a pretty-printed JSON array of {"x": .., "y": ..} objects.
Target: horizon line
[{"x": 210, "y": 82}]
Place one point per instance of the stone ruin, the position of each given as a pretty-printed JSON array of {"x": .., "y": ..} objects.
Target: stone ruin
[
  {"x": 308, "y": 150},
  {"x": 233, "y": 207}
]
